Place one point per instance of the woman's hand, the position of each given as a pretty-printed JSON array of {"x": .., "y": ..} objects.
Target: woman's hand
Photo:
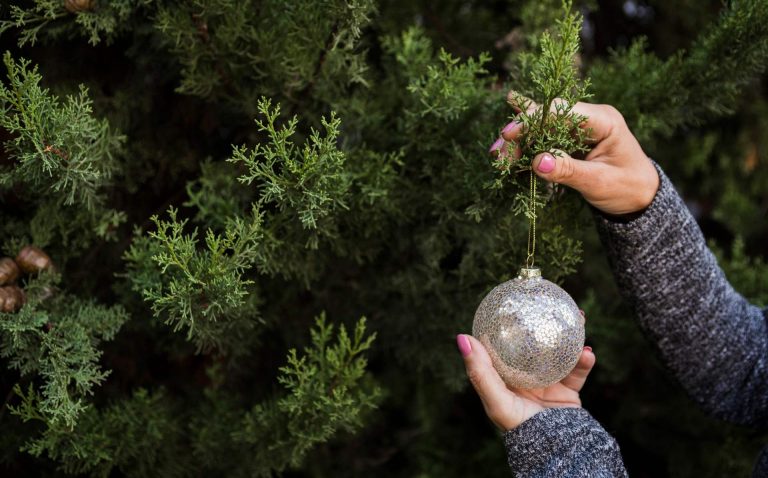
[
  {"x": 508, "y": 408},
  {"x": 615, "y": 177}
]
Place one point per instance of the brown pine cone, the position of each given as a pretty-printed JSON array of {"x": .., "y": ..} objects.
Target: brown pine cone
[
  {"x": 9, "y": 271},
  {"x": 4, "y": 295},
  {"x": 11, "y": 298},
  {"x": 75, "y": 6},
  {"x": 32, "y": 259}
]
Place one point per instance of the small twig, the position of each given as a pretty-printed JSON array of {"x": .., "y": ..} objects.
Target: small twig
[{"x": 52, "y": 149}]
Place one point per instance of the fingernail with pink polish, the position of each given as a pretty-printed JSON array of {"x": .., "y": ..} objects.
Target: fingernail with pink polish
[
  {"x": 464, "y": 346},
  {"x": 496, "y": 145},
  {"x": 546, "y": 163},
  {"x": 587, "y": 348},
  {"x": 510, "y": 127}
]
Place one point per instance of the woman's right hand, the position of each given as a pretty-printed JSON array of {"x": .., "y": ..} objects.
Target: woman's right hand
[{"x": 616, "y": 176}]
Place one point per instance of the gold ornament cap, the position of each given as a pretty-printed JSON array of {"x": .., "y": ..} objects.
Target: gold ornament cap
[{"x": 529, "y": 273}]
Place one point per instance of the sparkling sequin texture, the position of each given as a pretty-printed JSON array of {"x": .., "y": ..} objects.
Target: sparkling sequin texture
[{"x": 533, "y": 331}]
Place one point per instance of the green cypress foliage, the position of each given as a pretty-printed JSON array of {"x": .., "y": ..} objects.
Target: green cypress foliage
[
  {"x": 688, "y": 87},
  {"x": 555, "y": 86},
  {"x": 63, "y": 160},
  {"x": 324, "y": 390},
  {"x": 224, "y": 186},
  {"x": 57, "y": 341}
]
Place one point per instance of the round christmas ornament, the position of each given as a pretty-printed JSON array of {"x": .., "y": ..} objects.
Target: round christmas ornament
[{"x": 532, "y": 330}]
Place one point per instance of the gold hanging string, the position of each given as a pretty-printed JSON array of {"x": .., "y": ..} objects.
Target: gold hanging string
[{"x": 532, "y": 222}]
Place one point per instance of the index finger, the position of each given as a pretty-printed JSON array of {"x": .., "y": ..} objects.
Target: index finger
[
  {"x": 520, "y": 102},
  {"x": 599, "y": 118}
]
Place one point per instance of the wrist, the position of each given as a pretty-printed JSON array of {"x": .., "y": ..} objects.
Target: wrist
[
  {"x": 632, "y": 219},
  {"x": 648, "y": 187},
  {"x": 627, "y": 191}
]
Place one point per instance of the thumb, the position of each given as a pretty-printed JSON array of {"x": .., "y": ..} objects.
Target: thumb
[
  {"x": 501, "y": 405},
  {"x": 559, "y": 167}
]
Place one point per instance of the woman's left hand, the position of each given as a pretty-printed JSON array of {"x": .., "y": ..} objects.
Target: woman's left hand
[{"x": 508, "y": 408}]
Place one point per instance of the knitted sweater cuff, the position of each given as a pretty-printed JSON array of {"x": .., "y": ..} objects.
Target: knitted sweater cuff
[{"x": 562, "y": 442}]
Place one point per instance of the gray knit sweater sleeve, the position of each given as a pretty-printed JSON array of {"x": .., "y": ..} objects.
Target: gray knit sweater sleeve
[
  {"x": 712, "y": 339},
  {"x": 563, "y": 442}
]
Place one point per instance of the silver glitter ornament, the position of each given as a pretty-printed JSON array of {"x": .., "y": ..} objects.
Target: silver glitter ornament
[{"x": 532, "y": 329}]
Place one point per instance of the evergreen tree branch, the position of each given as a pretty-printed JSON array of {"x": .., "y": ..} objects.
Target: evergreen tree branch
[
  {"x": 203, "y": 291},
  {"x": 326, "y": 393},
  {"x": 658, "y": 97},
  {"x": 62, "y": 159},
  {"x": 50, "y": 19},
  {"x": 57, "y": 340}
]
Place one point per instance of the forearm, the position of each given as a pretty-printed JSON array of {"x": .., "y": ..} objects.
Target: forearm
[
  {"x": 563, "y": 442},
  {"x": 712, "y": 339}
]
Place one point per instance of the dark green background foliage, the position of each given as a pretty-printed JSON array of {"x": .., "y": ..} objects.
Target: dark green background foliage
[{"x": 228, "y": 187}]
